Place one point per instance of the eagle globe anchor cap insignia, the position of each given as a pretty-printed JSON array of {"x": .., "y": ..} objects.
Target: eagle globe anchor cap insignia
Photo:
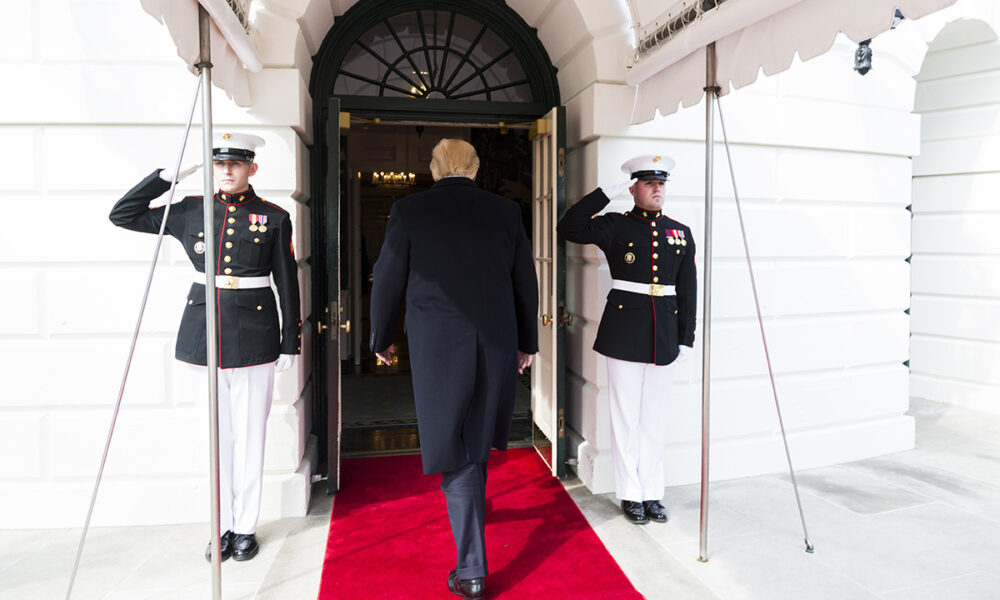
[{"x": 649, "y": 166}]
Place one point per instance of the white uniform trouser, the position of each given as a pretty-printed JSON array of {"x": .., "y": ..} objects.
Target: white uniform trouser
[
  {"x": 244, "y": 402},
  {"x": 639, "y": 396}
]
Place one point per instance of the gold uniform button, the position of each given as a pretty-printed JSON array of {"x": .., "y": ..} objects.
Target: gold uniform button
[
  {"x": 619, "y": 307},
  {"x": 652, "y": 224},
  {"x": 678, "y": 251},
  {"x": 656, "y": 280},
  {"x": 229, "y": 244},
  {"x": 227, "y": 259},
  {"x": 230, "y": 231},
  {"x": 259, "y": 307},
  {"x": 232, "y": 209},
  {"x": 655, "y": 244},
  {"x": 675, "y": 312},
  {"x": 201, "y": 234},
  {"x": 256, "y": 240},
  {"x": 228, "y": 271},
  {"x": 656, "y": 233},
  {"x": 655, "y": 255},
  {"x": 654, "y": 266},
  {"x": 190, "y": 301},
  {"x": 231, "y": 220},
  {"x": 630, "y": 244}
]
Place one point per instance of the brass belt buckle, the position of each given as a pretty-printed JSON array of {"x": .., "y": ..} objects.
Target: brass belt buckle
[
  {"x": 656, "y": 289},
  {"x": 230, "y": 282}
]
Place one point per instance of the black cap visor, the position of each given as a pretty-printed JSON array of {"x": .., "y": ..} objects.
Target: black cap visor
[
  {"x": 232, "y": 154},
  {"x": 658, "y": 175}
]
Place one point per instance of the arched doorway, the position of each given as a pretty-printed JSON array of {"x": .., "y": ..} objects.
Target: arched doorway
[
  {"x": 390, "y": 79},
  {"x": 955, "y": 287}
]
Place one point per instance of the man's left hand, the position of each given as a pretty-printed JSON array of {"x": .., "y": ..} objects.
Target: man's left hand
[
  {"x": 284, "y": 362},
  {"x": 523, "y": 362}
]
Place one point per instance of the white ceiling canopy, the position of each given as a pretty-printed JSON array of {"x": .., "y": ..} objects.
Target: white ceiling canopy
[
  {"x": 233, "y": 52},
  {"x": 750, "y": 35}
]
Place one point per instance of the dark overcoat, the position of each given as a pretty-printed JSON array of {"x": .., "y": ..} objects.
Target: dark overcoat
[
  {"x": 248, "y": 328},
  {"x": 643, "y": 247},
  {"x": 462, "y": 261}
]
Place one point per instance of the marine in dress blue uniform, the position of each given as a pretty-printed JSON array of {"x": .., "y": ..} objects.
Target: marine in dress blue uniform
[
  {"x": 648, "y": 320},
  {"x": 253, "y": 242}
]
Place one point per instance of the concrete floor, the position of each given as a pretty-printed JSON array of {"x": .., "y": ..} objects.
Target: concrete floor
[{"x": 917, "y": 525}]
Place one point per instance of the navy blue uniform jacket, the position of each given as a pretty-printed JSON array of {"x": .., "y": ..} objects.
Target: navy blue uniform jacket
[
  {"x": 462, "y": 261},
  {"x": 247, "y": 319},
  {"x": 646, "y": 248}
]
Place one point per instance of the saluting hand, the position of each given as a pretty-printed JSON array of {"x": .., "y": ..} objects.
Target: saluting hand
[
  {"x": 523, "y": 362},
  {"x": 615, "y": 190},
  {"x": 169, "y": 176},
  {"x": 386, "y": 355}
]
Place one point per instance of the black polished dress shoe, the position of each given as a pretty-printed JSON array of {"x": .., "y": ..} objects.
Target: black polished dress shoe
[
  {"x": 655, "y": 511},
  {"x": 225, "y": 547},
  {"x": 634, "y": 512},
  {"x": 244, "y": 546},
  {"x": 466, "y": 588}
]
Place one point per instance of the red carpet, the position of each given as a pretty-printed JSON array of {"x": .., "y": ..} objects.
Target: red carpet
[{"x": 389, "y": 535}]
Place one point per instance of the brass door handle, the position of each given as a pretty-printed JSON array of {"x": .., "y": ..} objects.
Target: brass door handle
[
  {"x": 546, "y": 319},
  {"x": 320, "y": 327},
  {"x": 566, "y": 319},
  {"x": 346, "y": 326}
]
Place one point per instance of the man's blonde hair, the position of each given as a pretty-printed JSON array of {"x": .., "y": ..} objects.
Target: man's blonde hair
[{"x": 454, "y": 157}]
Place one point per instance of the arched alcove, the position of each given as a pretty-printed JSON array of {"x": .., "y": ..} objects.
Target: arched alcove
[{"x": 955, "y": 264}]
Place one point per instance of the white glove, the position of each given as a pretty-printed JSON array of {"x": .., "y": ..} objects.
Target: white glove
[
  {"x": 168, "y": 174},
  {"x": 683, "y": 352},
  {"x": 615, "y": 190},
  {"x": 284, "y": 362}
]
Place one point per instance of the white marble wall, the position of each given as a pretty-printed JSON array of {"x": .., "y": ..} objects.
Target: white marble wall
[
  {"x": 955, "y": 308},
  {"x": 823, "y": 166},
  {"x": 95, "y": 98}
]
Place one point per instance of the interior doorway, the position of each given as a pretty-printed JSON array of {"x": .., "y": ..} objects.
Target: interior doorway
[{"x": 383, "y": 162}]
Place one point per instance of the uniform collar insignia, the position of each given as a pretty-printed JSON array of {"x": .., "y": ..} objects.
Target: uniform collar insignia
[
  {"x": 645, "y": 214},
  {"x": 241, "y": 198}
]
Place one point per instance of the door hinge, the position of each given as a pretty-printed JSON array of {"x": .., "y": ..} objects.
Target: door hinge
[
  {"x": 539, "y": 128},
  {"x": 345, "y": 121},
  {"x": 562, "y": 162},
  {"x": 562, "y": 423}
]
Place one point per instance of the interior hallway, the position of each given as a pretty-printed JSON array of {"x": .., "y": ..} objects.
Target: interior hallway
[{"x": 916, "y": 525}]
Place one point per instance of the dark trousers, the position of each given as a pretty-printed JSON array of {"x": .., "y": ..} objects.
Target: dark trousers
[{"x": 465, "y": 493}]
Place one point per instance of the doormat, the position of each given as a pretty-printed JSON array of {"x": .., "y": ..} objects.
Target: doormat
[{"x": 389, "y": 535}]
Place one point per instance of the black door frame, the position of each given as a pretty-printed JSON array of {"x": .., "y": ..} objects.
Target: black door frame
[{"x": 506, "y": 23}]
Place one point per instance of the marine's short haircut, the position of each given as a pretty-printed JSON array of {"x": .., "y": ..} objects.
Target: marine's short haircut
[{"x": 452, "y": 157}]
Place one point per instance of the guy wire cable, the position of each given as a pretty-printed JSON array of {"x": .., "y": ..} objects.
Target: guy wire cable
[
  {"x": 135, "y": 337},
  {"x": 760, "y": 321}
]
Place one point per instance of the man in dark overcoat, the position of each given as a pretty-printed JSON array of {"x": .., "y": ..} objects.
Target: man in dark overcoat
[{"x": 462, "y": 261}]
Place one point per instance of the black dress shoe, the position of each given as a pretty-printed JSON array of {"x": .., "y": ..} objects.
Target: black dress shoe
[
  {"x": 655, "y": 511},
  {"x": 634, "y": 512},
  {"x": 244, "y": 546},
  {"x": 225, "y": 547},
  {"x": 466, "y": 588}
]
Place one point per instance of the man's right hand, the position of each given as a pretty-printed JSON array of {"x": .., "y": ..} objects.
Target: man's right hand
[
  {"x": 385, "y": 356},
  {"x": 168, "y": 174},
  {"x": 613, "y": 191}
]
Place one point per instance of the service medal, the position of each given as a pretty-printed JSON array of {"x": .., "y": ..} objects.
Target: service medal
[
  {"x": 254, "y": 219},
  {"x": 199, "y": 247},
  {"x": 629, "y": 257},
  {"x": 263, "y": 223}
]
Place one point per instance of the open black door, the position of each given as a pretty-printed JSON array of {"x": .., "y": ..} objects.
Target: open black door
[{"x": 329, "y": 320}]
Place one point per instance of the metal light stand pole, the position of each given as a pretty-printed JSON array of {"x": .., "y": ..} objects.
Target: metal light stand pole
[
  {"x": 205, "y": 67},
  {"x": 711, "y": 92}
]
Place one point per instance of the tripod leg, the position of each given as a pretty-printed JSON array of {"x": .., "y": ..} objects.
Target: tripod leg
[
  {"x": 763, "y": 337},
  {"x": 131, "y": 351}
]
